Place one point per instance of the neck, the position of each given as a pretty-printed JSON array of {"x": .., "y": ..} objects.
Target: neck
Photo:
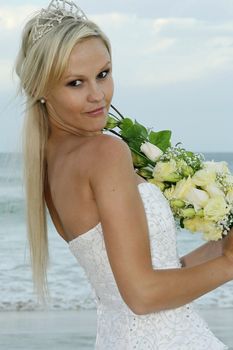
[{"x": 70, "y": 129}]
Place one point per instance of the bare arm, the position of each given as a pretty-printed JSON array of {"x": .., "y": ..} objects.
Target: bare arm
[
  {"x": 202, "y": 254},
  {"x": 125, "y": 229}
]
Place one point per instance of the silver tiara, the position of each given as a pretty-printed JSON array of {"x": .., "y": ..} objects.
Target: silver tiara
[{"x": 53, "y": 15}]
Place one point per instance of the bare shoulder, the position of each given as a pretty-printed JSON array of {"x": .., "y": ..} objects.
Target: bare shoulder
[
  {"x": 100, "y": 148},
  {"x": 122, "y": 216},
  {"x": 109, "y": 146},
  {"x": 112, "y": 158}
]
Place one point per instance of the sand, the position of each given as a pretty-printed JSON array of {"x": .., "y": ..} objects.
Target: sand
[{"x": 75, "y": 330}]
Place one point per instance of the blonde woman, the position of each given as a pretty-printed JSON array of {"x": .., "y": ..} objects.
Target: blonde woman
[{"x": 119, "y": 227}]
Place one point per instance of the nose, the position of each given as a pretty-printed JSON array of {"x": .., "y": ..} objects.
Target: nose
[{"x": 95, "y": 93}]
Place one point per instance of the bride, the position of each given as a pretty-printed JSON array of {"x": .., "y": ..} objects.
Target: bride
[{"x": 119, "y": 227}]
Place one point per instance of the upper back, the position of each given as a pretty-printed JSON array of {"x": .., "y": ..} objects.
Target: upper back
[{"x": 68, "y": 192}]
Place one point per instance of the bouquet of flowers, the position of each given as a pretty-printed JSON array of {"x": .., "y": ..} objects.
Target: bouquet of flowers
[{"x": 200, "y": 193}]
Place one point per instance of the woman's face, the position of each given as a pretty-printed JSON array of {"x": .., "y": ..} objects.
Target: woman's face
[{"x": 83, "y": 96}]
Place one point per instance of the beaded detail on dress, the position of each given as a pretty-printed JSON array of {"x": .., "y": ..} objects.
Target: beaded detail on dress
[{"x": 118, "y": 328}]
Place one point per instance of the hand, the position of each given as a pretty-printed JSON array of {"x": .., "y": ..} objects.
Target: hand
[{"x": 228, "y": 248}]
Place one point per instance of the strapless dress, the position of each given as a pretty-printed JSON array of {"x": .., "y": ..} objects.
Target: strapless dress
[{"x": 118, "y": 328}]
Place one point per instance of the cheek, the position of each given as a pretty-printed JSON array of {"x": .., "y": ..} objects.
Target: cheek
[
  {"x": 109, "y": 90},
  {"x": 71, "y": 102}
]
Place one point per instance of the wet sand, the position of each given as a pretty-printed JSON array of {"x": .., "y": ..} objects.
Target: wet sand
[{"x": 75, "y": 330}]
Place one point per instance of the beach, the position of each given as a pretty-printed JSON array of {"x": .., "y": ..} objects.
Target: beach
[
  {"x": 76, "y": 330},
  {"x": 70, "y": 322}
]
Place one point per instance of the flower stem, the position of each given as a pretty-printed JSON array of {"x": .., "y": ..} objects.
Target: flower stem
[
  {"x": 114, "y": 116},
  {"x": 114, "y": 132},
  {"x": 117, "y": 112}
]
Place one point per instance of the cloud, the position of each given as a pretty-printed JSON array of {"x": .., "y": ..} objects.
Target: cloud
[
  {"x": 12, "y": 17},
  {"x": 167, "y": 50},
  {"x": 158, "y": 50},
  {"x": 164, "y": 67}
]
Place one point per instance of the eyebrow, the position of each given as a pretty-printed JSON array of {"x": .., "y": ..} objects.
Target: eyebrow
[{"x": 70, "y": 75}]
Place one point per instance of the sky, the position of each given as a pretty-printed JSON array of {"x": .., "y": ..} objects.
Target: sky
[{"x": 172, "y": 66}]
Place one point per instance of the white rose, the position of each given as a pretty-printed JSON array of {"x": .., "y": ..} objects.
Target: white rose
[
  {"x": 198, "y": 198},
  {"x": 219, "y": 167},
  {"x": 204, "y": 177},
  {"x": 151, "y": 151}
]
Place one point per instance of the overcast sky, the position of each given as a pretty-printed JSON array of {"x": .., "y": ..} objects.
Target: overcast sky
[{"x": 172, "y": 65}]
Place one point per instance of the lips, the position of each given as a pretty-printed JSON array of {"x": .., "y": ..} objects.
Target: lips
[{"x": 96, "y": 111}]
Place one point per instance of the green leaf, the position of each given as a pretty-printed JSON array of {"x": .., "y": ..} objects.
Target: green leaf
[
  {"x": 139, "y": 160},
  {"x": 147, "y": 174},
  {"x": 126, "y": 123},
  {"x": 111, "y": 123},
  {"x": 142, "y": 129},
  {"x": 135, "y": 143},
  {"x": 161, "y": 139}
]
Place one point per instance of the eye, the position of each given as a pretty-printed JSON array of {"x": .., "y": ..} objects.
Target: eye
[
  {"x": 75, "y": 83},
  {"x": 103, "y": 74}
]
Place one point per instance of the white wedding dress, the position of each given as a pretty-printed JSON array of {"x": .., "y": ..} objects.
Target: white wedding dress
[{"x": 118, "y": 328}]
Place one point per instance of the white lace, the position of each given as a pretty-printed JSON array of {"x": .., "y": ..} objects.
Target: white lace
[{"x": 118, "y": 328}]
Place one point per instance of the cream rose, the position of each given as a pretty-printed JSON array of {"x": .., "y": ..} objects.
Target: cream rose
[
  {"x": 186, "y": 190},
  {"x": 159, "y": 184},
  {"x": 195, "y": 224},
  {"x": 213, "y": 190},
  {"x": 210, "y": 230},
  {"x": 168, "y": 193},
  {"x": 216, "y": 209},
  {"x": 182, "y": 188},
  {"x": 219, "y": 167},
  {"x": 229, "y": 197},
  {"x": 204, "y": 177},
  {"x": 151, "y": 151},
  {"x": 163, "y": 170}
]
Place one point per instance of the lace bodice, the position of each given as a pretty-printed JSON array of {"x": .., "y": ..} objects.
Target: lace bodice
[{"x": 118, "y": 328}]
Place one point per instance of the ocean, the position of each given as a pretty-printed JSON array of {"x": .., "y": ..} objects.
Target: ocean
[{"x": 69, "y": 287}]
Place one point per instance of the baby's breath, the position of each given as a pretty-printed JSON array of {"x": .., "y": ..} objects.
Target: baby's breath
[
  {"x": 192, "y": 159},
  {"x": 174, "y": 173},
  {"x": 223, "y": 183}
]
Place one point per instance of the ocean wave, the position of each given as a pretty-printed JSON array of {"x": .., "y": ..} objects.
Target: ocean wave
[
  {"x": 72, "y": 304},
  {"x": 55, "y": 304},
  {"x": 16, "y": 206}
]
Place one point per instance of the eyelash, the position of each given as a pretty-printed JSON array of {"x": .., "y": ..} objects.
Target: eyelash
[{"x": 73, "y": 82}]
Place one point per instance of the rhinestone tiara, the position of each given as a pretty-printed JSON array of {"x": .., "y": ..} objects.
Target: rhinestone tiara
[{"x": 53, "y": 15}]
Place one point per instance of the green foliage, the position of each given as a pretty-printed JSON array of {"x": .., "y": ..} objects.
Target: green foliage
[
  {"x": 133, "y": 133},
  {"x": 129, "y": 129},
  {"x": 161, "y": 139},
  {"x": 139, "y": 160}
]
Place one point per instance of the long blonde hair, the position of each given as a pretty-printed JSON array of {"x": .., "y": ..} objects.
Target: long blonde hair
[{"x": 39, "y": 66}]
